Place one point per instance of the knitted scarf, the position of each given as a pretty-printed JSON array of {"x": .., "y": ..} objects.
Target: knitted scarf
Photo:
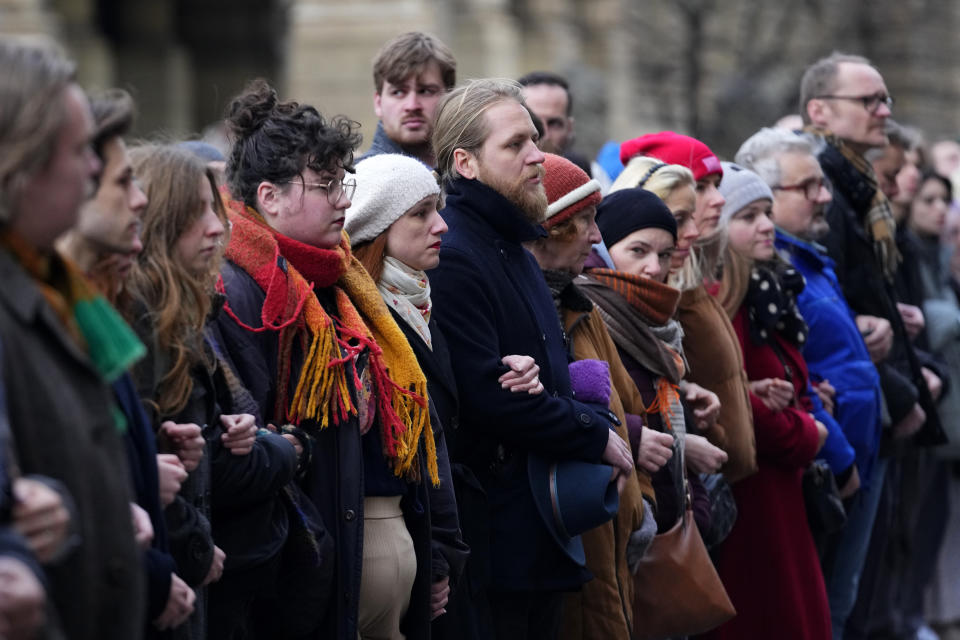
[
  {"x": 407, "y": 291},
  {"x": 850, "y": 172},
  {"x": 291, "y": 309},
  {"x": 771, "y": 303},
  {"x": 87, "y": 317},
  {"x": 631, "y": 308}
]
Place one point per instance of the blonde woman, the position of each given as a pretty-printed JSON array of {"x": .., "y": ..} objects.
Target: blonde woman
[{"x": 709, "y": 342}]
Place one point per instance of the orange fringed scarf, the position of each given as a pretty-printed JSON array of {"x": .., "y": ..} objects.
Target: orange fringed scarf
[{"x": 322, "y": 393}]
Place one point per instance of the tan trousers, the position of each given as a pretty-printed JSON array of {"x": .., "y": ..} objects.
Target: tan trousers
[{"x": 389, "y": 567}]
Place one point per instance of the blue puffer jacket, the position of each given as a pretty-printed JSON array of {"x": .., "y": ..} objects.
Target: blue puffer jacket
[{"x": 835, "y": 351}]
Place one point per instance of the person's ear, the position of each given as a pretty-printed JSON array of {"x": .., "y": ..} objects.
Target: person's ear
[
  {"x": 268, "y": 199},
  {"x": 376, "y": 104},
  {"x": 465, "y": 163},
  {"x": 817, "y": 111}
]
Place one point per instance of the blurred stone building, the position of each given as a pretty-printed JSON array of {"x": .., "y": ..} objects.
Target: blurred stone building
[{"x": 718, "y": 70}]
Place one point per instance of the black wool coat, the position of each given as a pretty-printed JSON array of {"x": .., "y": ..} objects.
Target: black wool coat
[{"x": 490, "y": 300}]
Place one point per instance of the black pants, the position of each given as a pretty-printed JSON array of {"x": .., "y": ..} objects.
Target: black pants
[
  {"x": 533, "y": 615},
  {"x": 238, "y": 603}
]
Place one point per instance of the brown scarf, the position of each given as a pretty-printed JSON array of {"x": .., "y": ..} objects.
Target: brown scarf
[
  {"x": 638, "y": 313},
  {"x": 363, "y": 321}
]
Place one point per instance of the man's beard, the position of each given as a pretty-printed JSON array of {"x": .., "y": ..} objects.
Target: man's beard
[
  {"x": 533, "y": 205},
  {"x": 819, "y": 227}
]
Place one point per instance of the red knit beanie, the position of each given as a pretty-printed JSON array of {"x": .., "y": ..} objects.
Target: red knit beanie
[
  {"x": 674, "y": 148},
  {"x": 569, "y": 190}
]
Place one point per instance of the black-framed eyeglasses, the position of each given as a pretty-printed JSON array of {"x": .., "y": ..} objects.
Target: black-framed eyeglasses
[
  {"x": 810, "y": 188},
  {"x": 871, "y": 103},
  {"x": 335, "y": 188}
]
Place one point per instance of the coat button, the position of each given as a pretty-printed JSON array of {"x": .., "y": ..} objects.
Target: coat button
[
  {"x": 349, "y": 515},
  {"x": 455, "y": 422},
  {"x": 584, "y": 418}
]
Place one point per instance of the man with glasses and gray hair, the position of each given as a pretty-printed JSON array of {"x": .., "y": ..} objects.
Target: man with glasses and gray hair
[
  {"x": 845, "y": 102},
  {"x": 835, "y": 352}
]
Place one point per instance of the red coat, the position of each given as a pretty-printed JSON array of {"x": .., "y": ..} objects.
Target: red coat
[{"x": 768, "y": 564}]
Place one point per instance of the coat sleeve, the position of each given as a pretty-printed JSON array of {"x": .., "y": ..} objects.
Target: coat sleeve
[
  {"x": 553, "y": 426},
  {"x": 836, "y": 450},
  {"x": 254, "y": 477},
  {"x": 788, "y": 438},
  {"x": 449, "y": 552}
]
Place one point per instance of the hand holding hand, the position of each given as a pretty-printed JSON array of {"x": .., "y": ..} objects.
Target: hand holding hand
[
  {"x": 934, "y": 383},
  {"x": 239, "y": 433},
  {"x": 142, "y": 527},
  {"x": 171, "y": 475},
  {"x": 877, "y": 336},
  {"x": 910, "y": 423},
  {"x": 822, "y": 434},
  {"x": 523, "y": 375},
  {"x": 912, "y": 317},
  {"x": 40, "y": 516},
  {"x": 439, "y": 596},
  {"x": 216, "y": 567},
  {"x": 705, "y": 403},
  {"x": 775, "y": 393},
  {"x": 827, "y": 395},
  {"x": 852, "y": 486},
  {"x": 22, "y": 600},
  {"x": 702, "y": 456},
  {"x": 617, "y": 453},
  {"x": 185, "y": 440},
  {"x": 179, "y": 605},
  {"x": 655, "y": 449}
]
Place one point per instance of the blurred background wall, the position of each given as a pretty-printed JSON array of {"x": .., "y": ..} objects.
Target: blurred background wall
[{"x": 715, "y": 70}]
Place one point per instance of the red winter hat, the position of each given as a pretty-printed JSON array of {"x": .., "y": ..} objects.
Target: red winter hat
[
  {"x": 674, "y": 148},
  {"x": 569, "y": 189}
]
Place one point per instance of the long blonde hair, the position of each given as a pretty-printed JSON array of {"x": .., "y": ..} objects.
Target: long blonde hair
[{"x": 177, "y": 299}]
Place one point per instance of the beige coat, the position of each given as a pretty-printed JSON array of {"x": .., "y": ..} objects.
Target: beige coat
[
  {"x": 603, "y": 608},
  {"x": 716, "y": 363}
]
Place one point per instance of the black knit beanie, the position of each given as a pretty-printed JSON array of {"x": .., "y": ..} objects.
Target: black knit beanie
[{"x": 628, "y": 210}]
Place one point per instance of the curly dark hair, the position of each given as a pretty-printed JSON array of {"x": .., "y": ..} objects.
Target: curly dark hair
[{"x": 275, "y": 141}]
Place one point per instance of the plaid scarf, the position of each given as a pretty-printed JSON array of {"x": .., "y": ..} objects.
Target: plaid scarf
[
  {"x": 330, "y": 344},
  {"x": 849, "y": 168}
]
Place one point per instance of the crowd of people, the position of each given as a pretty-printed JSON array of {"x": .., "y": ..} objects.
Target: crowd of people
[{"x": 469, "y": 384}]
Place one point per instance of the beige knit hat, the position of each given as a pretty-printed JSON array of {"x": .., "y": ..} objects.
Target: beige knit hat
[{"x": 388, "y": 185}]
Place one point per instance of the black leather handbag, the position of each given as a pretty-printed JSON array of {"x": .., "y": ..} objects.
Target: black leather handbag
[{"x": 825, "y": 512}]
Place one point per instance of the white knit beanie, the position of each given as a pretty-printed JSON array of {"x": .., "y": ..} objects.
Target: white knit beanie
[
  {"x": 739, "y": 188},
  {"x": 388, "y": 185}
]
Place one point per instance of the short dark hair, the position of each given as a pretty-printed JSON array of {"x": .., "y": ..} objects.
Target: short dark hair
[
  {"x": 275, "y": 141},
  {"x": 113, "y": 114},
  {"x": 535, "y": 78},
  {"x": 409, "y": 53}
]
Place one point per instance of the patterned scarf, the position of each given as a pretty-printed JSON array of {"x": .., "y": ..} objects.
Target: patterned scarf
[
  {"x": 771, "y": 302},
  {"x": 407, "y": 291},
  {"x": 291, "y": 309},
  {"x": 851, "y": 170},
  {"x": 638, "y": 313},
  {"x": 85, "y": 314}
]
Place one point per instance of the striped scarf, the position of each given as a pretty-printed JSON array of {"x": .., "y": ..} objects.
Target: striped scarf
[{"x": 291, "y": 309}]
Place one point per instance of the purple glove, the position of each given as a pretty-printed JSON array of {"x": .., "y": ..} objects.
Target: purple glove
[{"x": 590, "y": 380}]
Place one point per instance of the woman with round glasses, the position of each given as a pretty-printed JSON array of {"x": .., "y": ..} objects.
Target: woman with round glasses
[{"x": 314, "y": 342}]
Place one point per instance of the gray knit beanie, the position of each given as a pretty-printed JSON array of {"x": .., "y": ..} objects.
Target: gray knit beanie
[
  {"x": 740, "y": 187},
  {"x": 388, "y": 185}
]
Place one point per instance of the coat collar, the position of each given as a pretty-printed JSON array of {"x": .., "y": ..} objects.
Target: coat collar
[
  {"x": 490, "y": 212},
  {"x": 382, "y": 144},
  {"x": 810, "y": 250},
  {"x": 21, "y": 295}
]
